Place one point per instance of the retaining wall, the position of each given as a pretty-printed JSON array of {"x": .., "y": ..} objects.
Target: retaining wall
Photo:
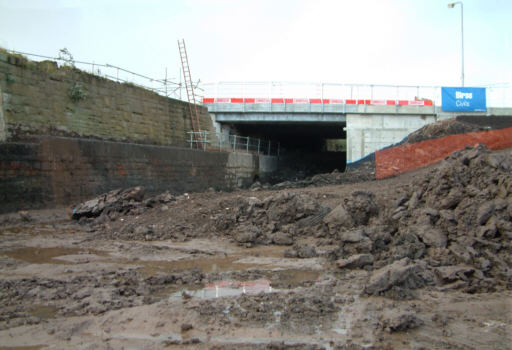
[
  {"x": 41, "y": 99},
  {"x": 67, "y": 135},
  {"x": 57, "y": 171}
]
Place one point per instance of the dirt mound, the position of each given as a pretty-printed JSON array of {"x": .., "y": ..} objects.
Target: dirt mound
[
  {"x": 277, "y": 219},
  {"x": 461, "y": 211},
  {"x": 365, "y": 172},
  {"x": 450, "y": 228},
  {"x": 125, "y": 214},
  {"x": 441, "y": 129},
  {"x": 455, "y": 221}
]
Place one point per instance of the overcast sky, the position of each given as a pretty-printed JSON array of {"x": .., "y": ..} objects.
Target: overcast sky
[{"x": 358, "y": 41}]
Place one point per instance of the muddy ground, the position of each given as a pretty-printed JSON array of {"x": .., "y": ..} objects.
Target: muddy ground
[{"x": 419, "y": 261}]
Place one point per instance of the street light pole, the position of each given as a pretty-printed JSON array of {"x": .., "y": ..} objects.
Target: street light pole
[{"x": 452, "y": 5}]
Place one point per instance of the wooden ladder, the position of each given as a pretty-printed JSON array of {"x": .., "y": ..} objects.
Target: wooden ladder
[{"x": 189, "y": 87}]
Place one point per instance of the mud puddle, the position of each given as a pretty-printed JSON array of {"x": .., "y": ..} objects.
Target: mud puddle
[
  {"x": 46, "y": 255},
  {"x": 31, "y": 230},
  {"x": 207, "y": 265},
  {"x": 33, "y": 347},
  {"x": 226, "y": 264},
  {"x": 213, "y": 264},
  {"x": 293, "y": 278},
  {"x": 43, "y": 312}
]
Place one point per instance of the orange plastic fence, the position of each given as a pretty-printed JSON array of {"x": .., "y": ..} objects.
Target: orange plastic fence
[{"x": 396, "y": 160}]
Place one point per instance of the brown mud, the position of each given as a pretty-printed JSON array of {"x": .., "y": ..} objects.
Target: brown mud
[{"x": 419, "y": 261}]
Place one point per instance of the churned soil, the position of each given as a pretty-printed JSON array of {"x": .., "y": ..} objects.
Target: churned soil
[{"x": 418, "y": 261}]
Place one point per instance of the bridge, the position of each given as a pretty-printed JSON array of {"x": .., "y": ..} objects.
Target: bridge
[{"x": 368, "y": 117}]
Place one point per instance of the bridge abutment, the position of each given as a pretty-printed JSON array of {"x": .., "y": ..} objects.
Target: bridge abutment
[{"x": 367, "y": 133}]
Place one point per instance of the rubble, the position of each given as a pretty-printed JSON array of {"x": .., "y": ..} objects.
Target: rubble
[
  {"x": 398, "y": 322},
  {"x": 403, "y": 274},
  {"x": 355, "y": 261},
  {"x": 457, "y": 213},
  {"x": 277, "y": 219},
  {"x": 302, "y": 251},
  {"x": 364, "y": 172},
  {"x": 119, "y": 202}
]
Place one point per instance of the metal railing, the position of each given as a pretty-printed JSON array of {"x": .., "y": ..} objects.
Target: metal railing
[
  {"x": 165, "y": 87},
  {"x": 209, "y": 141},
  {"x": 498, "y": 95}
]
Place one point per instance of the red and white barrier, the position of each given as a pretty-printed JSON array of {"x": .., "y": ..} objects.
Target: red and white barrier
[{"x": 210, "y": 100}]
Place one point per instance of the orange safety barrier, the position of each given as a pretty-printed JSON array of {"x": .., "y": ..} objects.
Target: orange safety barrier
[
  {"x": 325, "y": 101},
  {"x": 396, "y": 160}
]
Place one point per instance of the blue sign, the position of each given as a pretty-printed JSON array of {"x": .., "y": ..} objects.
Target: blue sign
[{"x": 463, "y": 99}]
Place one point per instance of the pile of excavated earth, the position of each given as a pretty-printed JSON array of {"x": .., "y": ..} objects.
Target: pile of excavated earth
[
  {"x": 444, "y": 128},
  {"x": 419, "y": 261},
  {"x": 450, "y": 227}
]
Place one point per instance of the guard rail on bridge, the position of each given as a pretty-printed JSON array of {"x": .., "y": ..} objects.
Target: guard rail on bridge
[
  {"x": 281, "y": 93},
  {"x": 300, "y": 105}
]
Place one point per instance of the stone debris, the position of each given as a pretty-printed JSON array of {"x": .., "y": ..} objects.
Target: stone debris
[
  {"x": 393, "y": 321},
  {"x": 355, "y": 261},
  {"x": 302, "y": 251},
  {"x": 119, "y": 202},
  {"x": 277, "y": 219},
  {"x": 450, "y": 227},
  {"x": 402, "y": 273}
]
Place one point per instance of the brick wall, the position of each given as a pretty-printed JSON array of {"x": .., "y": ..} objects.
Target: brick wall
[
  {"x": 55, "y": 171},
  {"x": 37, "y": 100}
]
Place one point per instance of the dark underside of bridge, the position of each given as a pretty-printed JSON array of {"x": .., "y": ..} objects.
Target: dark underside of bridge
[{"x": 306, "y": 148}]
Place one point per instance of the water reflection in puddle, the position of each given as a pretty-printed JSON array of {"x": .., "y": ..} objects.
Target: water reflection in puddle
[{"x": 226, "y": 289}]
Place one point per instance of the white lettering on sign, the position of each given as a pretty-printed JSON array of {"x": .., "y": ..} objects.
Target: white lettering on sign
[
  {"x": 465, "y": 95},
  {"x": 459, "y": 103}
]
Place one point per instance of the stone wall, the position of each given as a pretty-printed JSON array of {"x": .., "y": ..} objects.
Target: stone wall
[
  {"x": 66, "y": 135},
  {"x": 41, "y": 99},
  {"x": 59, "y": 171}
]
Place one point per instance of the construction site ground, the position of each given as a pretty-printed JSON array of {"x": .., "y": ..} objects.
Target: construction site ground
[{"x": 418, "y": 261}]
